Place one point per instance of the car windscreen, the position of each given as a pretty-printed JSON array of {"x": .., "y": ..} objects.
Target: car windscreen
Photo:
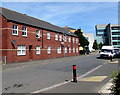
[{"x": 106, "y": 50}]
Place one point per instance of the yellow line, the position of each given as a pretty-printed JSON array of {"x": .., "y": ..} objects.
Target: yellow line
[
  {"x": 113, "y": 61},
  {"x": 94, "y": 78}
]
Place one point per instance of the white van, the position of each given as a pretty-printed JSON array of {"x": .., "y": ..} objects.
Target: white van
[{"x": 107, "y": 51}]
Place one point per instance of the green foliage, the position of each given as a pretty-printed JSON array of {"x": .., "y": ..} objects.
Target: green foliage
[
  {"x": 116, "y": 83},
  {"x": 83, "y": 41},
  {"x": 100, "y": 45},
  {"x": 95, "y": 45}
]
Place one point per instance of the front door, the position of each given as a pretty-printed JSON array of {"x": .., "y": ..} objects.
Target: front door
[{"x": 30, "y": 52}]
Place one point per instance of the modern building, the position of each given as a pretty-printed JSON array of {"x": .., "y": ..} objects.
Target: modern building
[
  {"x": 25, "y": 38},
  {"x": 101, "y": 33},
  {"x": 90, "y": 38},
  {"x": 108, "y": 34}
]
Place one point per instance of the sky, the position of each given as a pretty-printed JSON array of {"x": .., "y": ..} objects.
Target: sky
[{"x": 84, "y": 15}]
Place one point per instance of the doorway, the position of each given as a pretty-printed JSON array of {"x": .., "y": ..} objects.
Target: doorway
[{"x": 30, "y": 52}]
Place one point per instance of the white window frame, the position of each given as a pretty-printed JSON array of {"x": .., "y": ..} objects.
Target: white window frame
[
  {"x": 69, "y": 50},
  {"x": 49, "y": 50},
  {"x": 65, "y": 38},
  {"x": 15, "y": 29},
  {"x": 37, "y": 49},
  {"x": 48, "y": 35},
  {"x": 56, "y": 37},
  {"x": 65, "y": 49},
  {"x": 21, "y": 50},
  {"x": 60, "y": 37},
  {"x": 37, "y": 33},
  {"x": 73, "y": 40},
  {"x": 76, "y": 40},
  {"x": 76, "y": 49},
  {"x": 73, "y": 50},
  {"x": 69, "y": 39},
  {"x": 24, "y": 30},
  {"x": 59, "y": 50}
]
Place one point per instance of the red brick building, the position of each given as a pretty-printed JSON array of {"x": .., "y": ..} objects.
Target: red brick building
[{"x": 26, "y": 38}]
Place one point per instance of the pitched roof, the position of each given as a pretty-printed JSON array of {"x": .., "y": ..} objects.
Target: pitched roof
[{"x": 28, "y": 20}]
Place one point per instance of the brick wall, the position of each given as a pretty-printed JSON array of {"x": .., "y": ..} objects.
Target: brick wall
[{"x": 32, "y": 41}]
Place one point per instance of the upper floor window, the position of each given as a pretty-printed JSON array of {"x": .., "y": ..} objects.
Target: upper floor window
[
  {"x": 37, "y": 33},
  {"x": 60, "y": 37},
  {"x": 15, "y": 30},
  {"x": 21, "y": 50},
  {"x": 65, "y": 38},
  {"x": 69, "y": 39},
  {"x": 48, "y": 35},
  {"x": 49, "y": 50},
  {"x": 24, "y": 31},
  {"x": 37, "y": 49},
  {"x": 56, "y": 37},
  {"x": 76, "y": 40},
  {"x": 73, "y": 40}
]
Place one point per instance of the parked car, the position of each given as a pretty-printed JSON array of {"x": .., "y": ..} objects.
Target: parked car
[
  {"x": 117, "y": 51},
  {"x": 107, "y": 52}
]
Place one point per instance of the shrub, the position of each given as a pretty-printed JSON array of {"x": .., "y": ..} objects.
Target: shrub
[{"x": 116, "y": 83}]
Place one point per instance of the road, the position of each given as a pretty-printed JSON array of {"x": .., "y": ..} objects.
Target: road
[{"x": 39, "y": 76}]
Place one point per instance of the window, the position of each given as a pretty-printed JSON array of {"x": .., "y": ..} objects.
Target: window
[
  {"x": 21, "y": 50},
  {"x": 65, "y": 39},
  {"x": 69, "y": 39},
  {"x": 59, "y": 50},
  {"x": 37, "y": 49},
  {"x": 76, "y": 40},
  {"x": 65, "y": 49},
  {"x": 73, "y": 50},
  {"x": 14, "y": 30},
  {"x": 48, "y": 35},
  {"x": 60, "y": 37},
  {"x": 73, "y": 40},
  {"x": 56, "y": 37},
  {"x": 76, "y": 49},
  {"x": 24, "y": 31},
  {"x": 69, "y": 50},
  {"x": 49, "y": 50},
  {"x": 37, "y": 33}
]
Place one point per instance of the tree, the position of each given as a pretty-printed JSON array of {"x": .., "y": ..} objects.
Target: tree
[
  {"x": 100, "y": 45},
  {"x": 83, "y": 41},
  {"x": 95, "y": 45}
]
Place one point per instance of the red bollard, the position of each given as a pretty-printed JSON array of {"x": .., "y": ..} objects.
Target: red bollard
[{"x": 74, "y": 74}]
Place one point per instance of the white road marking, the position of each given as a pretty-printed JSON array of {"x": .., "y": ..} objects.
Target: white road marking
[{"x": 56, "y": 85}]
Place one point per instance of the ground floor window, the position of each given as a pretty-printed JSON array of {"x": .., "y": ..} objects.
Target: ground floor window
[
  {"x": 21, "y": 50},
  {"x": 65, "y": 49},
  {"x": 59, "y": 50},
  {"x": 69, "y": 50},
  {"x": 73, "y": 50},
  {"x": 49, "y": 50},
  {"x": 37, "y": 49},
  {"x": 76, "y": 49}
]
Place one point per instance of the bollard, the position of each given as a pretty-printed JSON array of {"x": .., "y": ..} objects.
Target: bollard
[{"x": 74, "y": 74}]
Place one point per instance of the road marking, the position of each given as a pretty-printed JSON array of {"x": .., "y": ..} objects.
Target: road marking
[
  {"x": 113, "y": 61},
  {"x": 94, "y": 78},
  {"x": 56, "y": 85}
]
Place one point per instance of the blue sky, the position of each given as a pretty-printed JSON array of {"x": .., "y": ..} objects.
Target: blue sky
[{"x": 74, "y": 14}]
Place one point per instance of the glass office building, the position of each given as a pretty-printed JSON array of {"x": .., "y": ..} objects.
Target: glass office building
[{"x": 108, "y": 34}]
